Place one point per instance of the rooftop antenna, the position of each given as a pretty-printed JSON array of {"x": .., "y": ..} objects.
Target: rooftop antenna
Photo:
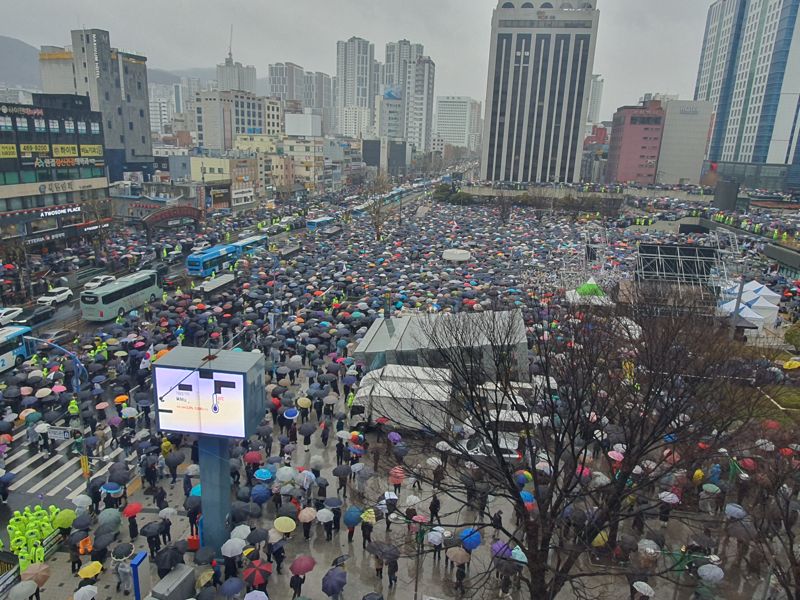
[{"x": 230, "y": 44}]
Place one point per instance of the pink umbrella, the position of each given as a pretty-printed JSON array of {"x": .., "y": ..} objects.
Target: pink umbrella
[
  {"x": 617, "y": 456},
  {"x": 583, "y": 472},
  {"x": 59, "y": 388},
  {"x": 26, "y": 390}
]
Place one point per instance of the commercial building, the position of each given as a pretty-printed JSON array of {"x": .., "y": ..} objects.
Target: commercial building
[
  {"x": 354, "y": 95},
  {"x": 221, "y": 116},
  {"x": 237, "y": 176},
  {"x": 687, "y": 126},
  {"x": 162, "y": 108},
  {"x": 304, "y": 124},
  {"x": 750, "y": 72},
  {"x": 392, "y": 157},
  {"x": 233, "y": 76},
  {"x": 458, "y": 121},
  {"x": 633, "y": 153},
  {"x": 595, "y": 98},
  {"x": 389, "y": 121},
  {"x": 53, "y": 185},
  {"x": 116, "y": 84},
  {"x": 419, "y": 94},
  {"x": 537, "y": 93}
]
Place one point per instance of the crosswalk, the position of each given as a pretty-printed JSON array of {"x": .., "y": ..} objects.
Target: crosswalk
[{"x": 57, "y": 475}]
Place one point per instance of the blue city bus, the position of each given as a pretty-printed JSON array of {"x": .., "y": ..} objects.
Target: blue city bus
[
  {"x": 14, "y": 348},
  {"x": 211, "y": 260},
  {"x": 313, "y": 225},
  {"x": 250, "y": 245}
]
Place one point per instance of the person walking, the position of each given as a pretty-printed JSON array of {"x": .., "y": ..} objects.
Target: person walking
[
  {"x": 296, "y": 583},
  {"x": 278, "y": 555},
  {"x": 378, "y": 567},
  {"x": 133, "y": 528},
  {"x": 391, "y": 570},
  {"x": 366, "y": 534},
  {"x": 434, "y": 507}
]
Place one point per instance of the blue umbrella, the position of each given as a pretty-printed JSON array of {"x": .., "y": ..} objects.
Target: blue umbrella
[
  {"x": 263, "y": 474},
  {"x": 109, "y": 487},
  {"x": 231, "y": 587},
  {"x": 98, "y": 379},
  {"x": 470, "y": 538},
  {"x": 352, "y": 516},
  {"x": 197, "y": 490},
  {"x": 7, "y": 477},
  {"x": 260, "y": 494},
  {"x": 291, "y": 414},
  {"x": 334, "y": 581}
]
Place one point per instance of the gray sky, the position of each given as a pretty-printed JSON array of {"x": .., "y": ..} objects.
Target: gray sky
[{"x": 643, "y": 45}]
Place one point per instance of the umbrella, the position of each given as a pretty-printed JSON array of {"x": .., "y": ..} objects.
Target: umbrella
[
  {"x": 307, "y": 515},
  {"x": 383, "y": 550},
  {"x": 38, "y": 573},
  {"x": 257, "y": 574},
  {"x": 168, "y": 513},
  {"x": 204, "y": 556},
  {"x": 132, "y": 509},
  {"x": 669, "y": 498},
  {"x": 334, "y": 581},
  {"x": 324, "y": 515},
  {"x": 151, "y": 529},
  {"x": 352, "y": 516},
  {"x": 458, "y": 555},
  {"x": 122, "y": 551},
  {"x": 373, "y": 596},
  {"x": 23, "y": 590},
  {"x": 87, "y": 592},
  {"x": 263, "y": 474},
  {"x": 65, "y": 518},
  {"x": 302, "y": 564},
  {"x": 470, "y": 538},
  {"x": 231, "y": 587},
  {"x": 233, "y": 547},
  {"x": 342, "y": 471},
  {"x": 174, "y": 459},
  {"x": 253, "y": 458},
  {"x": 82, "y": 522},
  {"x": 82, "y": 501},
  {"x": 333, "y": 503},
  {"x": 710, "y": 573},
  {"x": 241, "y": 532},
  {"x": 501, "y": 549},
  {"x": 109, "y": 516},
  {"x": 257, "y": 536},
  {"x": 90, "y": 570},
  {"x": 256, "y": 595},
  {"x": 735, "y": 511},
  {"x": 193, "y": 470},
  {"x": 101, "y": 542},
  {"x": 644, "y": 589},
  {"x": 284, "y": 524}
]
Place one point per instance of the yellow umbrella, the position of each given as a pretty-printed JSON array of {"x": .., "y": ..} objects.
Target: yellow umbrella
[
  {"x": 121, "y": 399},
  {"x": 368, "y": 516},
  {"x": 600, "y": 540},
  {"x": 112, "y": 342},
  {"x": 91, "y": 570},
  {"x": 791, "y": 364},
  {"x": 304, "y": 402},
  {"x": 203, "y": 578},
  {"x": 284, "y": 525}
]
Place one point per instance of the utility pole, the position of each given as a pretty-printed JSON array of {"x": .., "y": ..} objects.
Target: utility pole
[{"x": 739, "y": 293}]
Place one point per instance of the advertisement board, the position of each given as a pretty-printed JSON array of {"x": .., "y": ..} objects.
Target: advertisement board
[
  {"x": 65, "y": 150},
  {"x": 200, "y": 401},
  {"x": 91, "y": 150},
  {"x": 8, "y": 151}
]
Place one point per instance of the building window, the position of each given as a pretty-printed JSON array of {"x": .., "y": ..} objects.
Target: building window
[
  {"x": 138, "y": 85},
  {"x": 69, "y": 126},
  {"x": 130, "y": 125},
  {"x": 54, "y": 126},
  {"x": 141, "y": 112},
  {"x": 81, "y": 127},
  {"x": 39, "y": 125},
  {"x": 6, "y": 124},
  {"x": 127, "y": 97},
  {"x": 107, "y": 97},
  {"x": 95, "y": 127},
  {"x": 143, "y": 140},
  {"x": 22, "y": 123},
  {"x": 109, "y": 124}
]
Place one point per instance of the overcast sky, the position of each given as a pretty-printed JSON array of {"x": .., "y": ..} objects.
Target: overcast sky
[{"x": 643, "y": 45}]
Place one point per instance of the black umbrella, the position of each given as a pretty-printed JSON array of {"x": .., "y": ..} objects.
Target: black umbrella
[
  {"x": 119, "y": 477},
  {"x": 243, "y": 494},
  {"x": 204, "y": 556},
  {"x": 383, "y": 550},
  {"x": 168, "y": 557},
  {"x": 76, "y": 537},
  {"x": 122, "y": 551},
  {"x": 192, "y": 502},
  {"x": 103, "y": 541},
  {"x": 307, "y": 429},
  {"x": 288, "y": 510},
  {"x": 151, "y": 529},
  {"x": 207, "y": 593},
  {"x": 104, "y": 528},
  {"x": 174, "y": 459},
  {"x": 342, "y": 471},
  {"x": 84, "y": 521},
  {"x": 257, "y": 536}
]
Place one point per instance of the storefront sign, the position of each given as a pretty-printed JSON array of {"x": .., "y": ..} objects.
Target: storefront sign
[
  {"x": 62, "y": 150},
  {"x": 243, "y": 193},
  {"x": 91, "y": 150},
  {"x": 21, "y": 110},
  {"x": 41, "y": 239},
  {"x": 63, "y": 210},
  {"x": 8, "y": 151},
  {"x": 51, "y": 187},
  {"x": 45, "y": 163},
  {"x": 37, "y": 148},
  {"x": 95, "y": 227},
  {"x": 56, "y": 186}
]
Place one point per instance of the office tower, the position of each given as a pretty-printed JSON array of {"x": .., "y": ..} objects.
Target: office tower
[
  {"x": 419, "y": 94},
  {"x": 389, "y": 116},
  {"x": 287, "y": 81},
  {"x": 233, "y": 76},
  {"x": 633, "y": 154},
  {"x": 221, "y": 116},
  {"x": 537, "y": 92},
  {"x": 687, "y": 124},
  {"x": 116, "y": 84},
  {"x": 354, "y": 82},
  {"x": 748, "y": 71},
  {"x": 458, "y": 121},
  {"x": 595, "y": 98}
]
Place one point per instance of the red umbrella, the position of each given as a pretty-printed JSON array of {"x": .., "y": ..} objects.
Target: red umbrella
[
  {"x": 302, "y": 565},
  {"x": 253, "y": 458},
  {"x": 132, "y": 509},
  {"x": 257, "y": 574},
  {"x": 748, "y": 464},
  {"x": 770, "y": 424}
]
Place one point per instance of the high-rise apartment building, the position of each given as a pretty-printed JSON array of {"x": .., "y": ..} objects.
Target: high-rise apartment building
[
  {"x": 353, "y": 97},
  {"x": 116, "y": 84},
  {"x": 398, "y": 56},
  {"x": 162, "y": 107},
  {"x": 458, "y": 121},
  {"x": 300, "y": 89},
  {"x": 287, "y": 81},
  {"x": 419, "y": 94},
  {"x": 633, "y": 154},
  {"x": 234, "y": 76},
  {"x": 750, "y": 72},
  {"x": 537, "y": 92},
  {"x": 595, "y": 98}
]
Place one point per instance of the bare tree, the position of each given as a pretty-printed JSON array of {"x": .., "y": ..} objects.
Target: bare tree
[
  {"x": 377, "y": 211},
  {"x": 618, "y": 403}
]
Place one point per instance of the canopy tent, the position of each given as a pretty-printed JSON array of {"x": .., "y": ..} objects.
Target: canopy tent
[
  {"x": 589, "y": 293},
  {"x": 456, "y": 255},
  {"x": 753, "y": 286},
  {"x": 765, "y": 308},
  {"x": 745, "y": 312},
  {"x": 767, "y": 293}
]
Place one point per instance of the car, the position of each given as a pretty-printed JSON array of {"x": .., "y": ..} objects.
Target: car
[
  {"x": 35, "y": 316},
  {"x": 55, "y": 296},
  {"x": 57, "y": 336},
  {"x": 7, "y": 315},
  {"x": 480, "y": 450},
  {"x": 200, "y": 246},
  {"x": 100, "y": 280}
]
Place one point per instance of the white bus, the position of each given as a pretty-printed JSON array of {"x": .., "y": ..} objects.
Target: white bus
[
  {"x": 121, "y": 296},
  {"x": 214, "y": 286}
]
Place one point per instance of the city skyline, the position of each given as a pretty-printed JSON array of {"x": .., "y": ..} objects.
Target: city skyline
[{"x": 260, "y": 38}]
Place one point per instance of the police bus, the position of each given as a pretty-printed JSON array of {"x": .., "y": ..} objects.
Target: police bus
[
  {"x": 14, "y": 348},
  {"x": 211, "y": 260},
  {"x": 121, "y": 296}
]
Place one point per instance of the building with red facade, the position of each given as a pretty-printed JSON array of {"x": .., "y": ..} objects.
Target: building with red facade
[{"x": 635, "y": 143}]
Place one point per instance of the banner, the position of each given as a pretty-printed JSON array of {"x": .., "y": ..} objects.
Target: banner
[
  {"x": 8, "y": 151},
  {"x": 91, "y": 150},
  {"x": 38, "y": 148},
  {"x": 65, "y": 150}
]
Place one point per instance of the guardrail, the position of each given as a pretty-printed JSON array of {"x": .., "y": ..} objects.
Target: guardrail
[{"x": 9, "y": 563}]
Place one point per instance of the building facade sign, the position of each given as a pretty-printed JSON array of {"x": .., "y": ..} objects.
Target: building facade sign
[
  {"x": 46, "y": 163},
  {"x": 65, "y": 150},
  {"x": 91, "y": 150},
  {"x": 28, "y": 111},
  {"x": 34, "y": 148},
  {"x": 8, "y": 151},
  {"x": 52, "y": 187},
  {"x": 63, "y": 210}
]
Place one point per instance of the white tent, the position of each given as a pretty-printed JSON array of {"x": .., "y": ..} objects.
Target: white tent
[
  {"x": 766, "y": 309},
  {"x": 767, "y": 293},
  {"x": 748, "y": 297},
  {"x": 752, "y": 286},
  {"x": 752, "y": 316}
]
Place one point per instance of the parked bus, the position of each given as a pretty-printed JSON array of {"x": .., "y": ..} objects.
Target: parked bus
[
  {"x": 250, "y": 245},
  {"x": 214, "y": 286},
  {"x": 313, "y": 225},
  {"x": 14, "y": 348},
  {"x": 211, "y": 260},
  {"x": 121, "y": 296},
  {"x": 362, "y": 209}
]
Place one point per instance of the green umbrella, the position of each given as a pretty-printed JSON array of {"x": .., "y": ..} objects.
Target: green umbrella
[
  {"x": 710, "y": 488},
  {"x": 32, "y": 418},
  {"x": 109, "y": 516},
  {"x": 64, "y": 519}
]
